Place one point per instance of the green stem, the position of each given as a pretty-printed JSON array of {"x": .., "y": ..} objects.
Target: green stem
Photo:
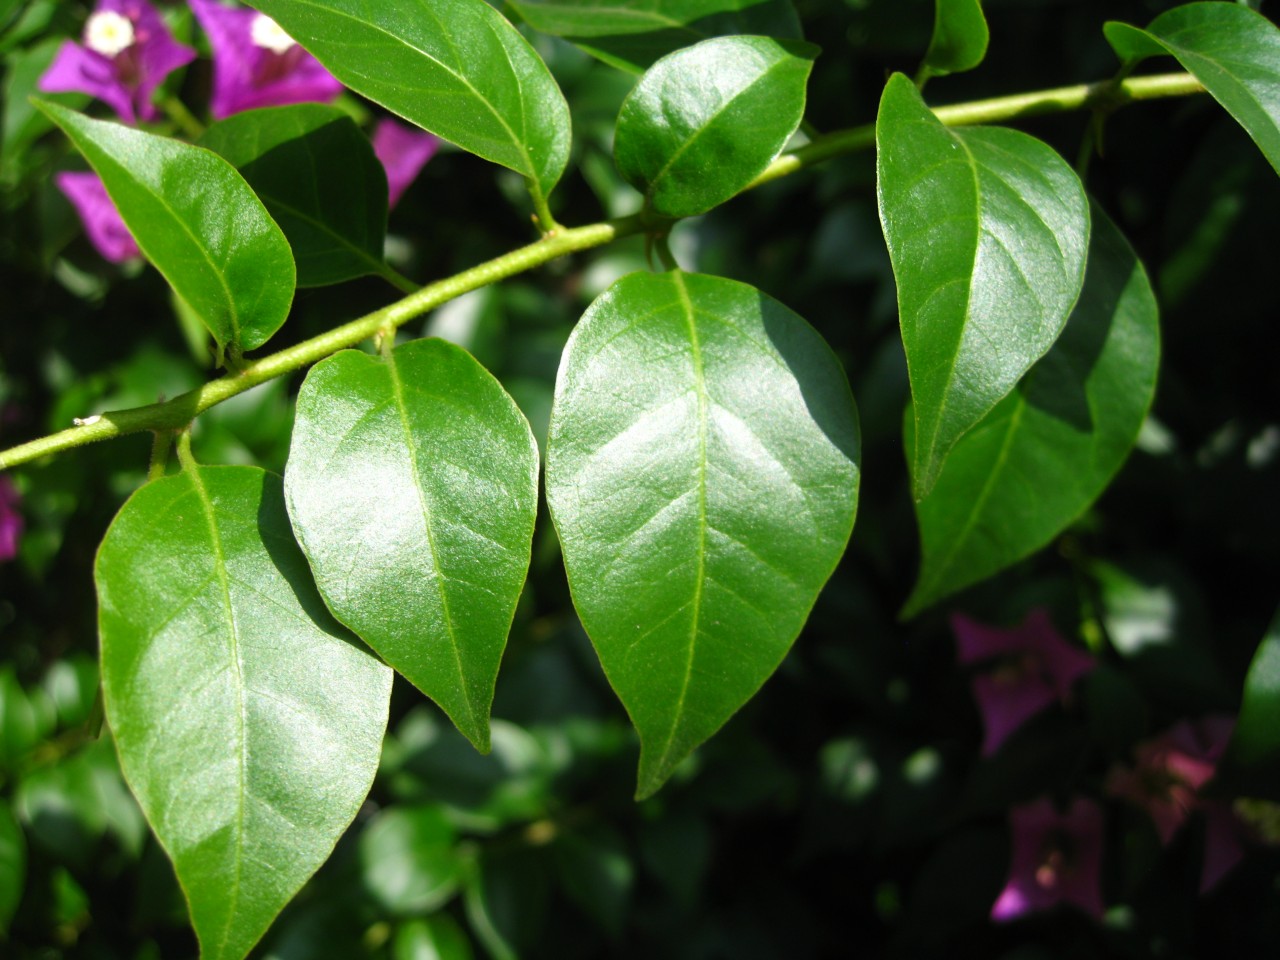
[
  {"x": 999, "y": 109},
  {"x": 181, "y": 410},
  {"x": 177, "y": 111},
  {"x": 397, "y": 279},
  {"x": 546, "y": 222},
  {"x": 159, "y": 454},
  {"x": 185, "y": 456}
]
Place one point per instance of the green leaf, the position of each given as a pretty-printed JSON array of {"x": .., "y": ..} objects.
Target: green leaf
[
  {"x": 702, "y": 473},
  {"x": 13, "y": 867},
  {"x": 69, "y": 806},
  {"x": 1046, "y": 452},
  {"x": 413, "y": 487},
  {"x": 409, "y": 859},
  {"x": 960, "y": 36},
  {"x": 595, "y": 872},
  {"x": 1232, "y": 50},
  {"x": 454, "y": 67},
  {"x": 705, "y": 121},
  {"x": 318, "y": 176},
  {"x": 987, "y": 230},
  {"x": 632, "y": 34},
  {"x": 435, "y": 938},
  {"x": 1255, "y": 745},
  {"x": 198, "y": 221},
  {"x": 249, "y": 724}
]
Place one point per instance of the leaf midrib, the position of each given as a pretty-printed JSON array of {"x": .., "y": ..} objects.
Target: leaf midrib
[
  {"x": 530, "y": 170},
  {"x": 232, "y": 312},
  {"x": 439, "y": 578},
  {"x": 705, "y": 127},
  {"x": 700, "y": 386},
  {"x": 242, "y": 786}
]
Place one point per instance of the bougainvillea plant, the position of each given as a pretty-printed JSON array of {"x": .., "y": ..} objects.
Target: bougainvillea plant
[{"x": 301, "y": 604}]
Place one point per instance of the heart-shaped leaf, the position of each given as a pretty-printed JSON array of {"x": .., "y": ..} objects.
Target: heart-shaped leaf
[
  {"x": 987, "y": 230},
  {"x": 703, "y": 122},
  {"x": 1232, "y": 50},
  {"x": 960, "y": 37},
  {"x": 413, "y": 488},
  {"x": 198, "y": 221},
  {"x": 318, "y": 176},
  {"x": 702, "y": 473},
  {"x": 1046, "y": 452},
  {"x": 631, "y": 35},
  {"x": 454, "y": 67},
  {"x": 249, "y": 723}
]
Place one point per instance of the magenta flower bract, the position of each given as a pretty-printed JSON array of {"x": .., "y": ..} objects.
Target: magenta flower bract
[
  {"x": 403, "y": 151},
  {"x": 1165, "y": 780},
  {"x": 1035, "y": 668},
  {"x": 10, "y": 519},
  {"x": 257, "y": 64},
  {"x": 1057, "y": 858},
  {"x": 102, "y": 223},
  {"x": 127, "y": 53}
]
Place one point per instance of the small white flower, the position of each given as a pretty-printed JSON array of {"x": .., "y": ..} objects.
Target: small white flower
[
  {"x": 266, "y": 33},
  {"x": 108, "y": 33}
]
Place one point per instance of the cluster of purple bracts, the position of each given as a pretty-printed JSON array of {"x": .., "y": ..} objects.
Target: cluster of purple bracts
[
  {"x": 1057, "y": 854},
  {"x": 127, "y": 52}
]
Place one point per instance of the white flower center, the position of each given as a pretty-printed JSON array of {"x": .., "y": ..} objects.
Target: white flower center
[
  {"x": 266, "y": 33},
  {"x": 108, "y": 33}
]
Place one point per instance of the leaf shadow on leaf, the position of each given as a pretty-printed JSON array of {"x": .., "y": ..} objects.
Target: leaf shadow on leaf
[
  {"x": 286, "y": 556},
  {"x": 824, "y": 398},
  {"x": 1056, "y": 384}
]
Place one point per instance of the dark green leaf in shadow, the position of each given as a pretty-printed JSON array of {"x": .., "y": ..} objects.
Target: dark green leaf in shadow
[
  {"x": 631, "y": 35},
  {"x": 13, "y": 867},
  {"x": 1255, "y": 746},
  {"x": 987, "y": 230},
  {"x": 1045, "y": 453},
  {"x": 959, "y": 41},
  {"x": 1232, "y": 50},
  {"x": 506, "y": 900},
  {"x": 318, "y": 177},
  {"x": 249, "y": 723},
  {"x": 198, "y": 221},
  {"x": 595, "y": 871},
  {"x": 702, "y": 473},
  {"x": 703, "y": 122},
  {"x": 454, "y": 67},
  {"x": 413, "y": 488}
]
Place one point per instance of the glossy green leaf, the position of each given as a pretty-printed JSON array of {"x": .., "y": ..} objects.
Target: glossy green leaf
[
  {"x": 409, "y": 859},
  {"x": 632, "y": 34},
  {"x": 1256, "y": 741},
  {"x": 454, "y": 67},
  {"x": 435, "y": 938},
  {"x": 13, "y": 867},
  {"x": 702, "y": 473},
  {"x": 987, "y": 230},
  {"x": 198, "y": 221},
  {"x": 1232, "y": 50},
  {"x": 249, "y": 723},
  {"x": 1047, "y": 450},
  {"x": 318, "y": 176},
  {"x": 703, "y": 122},
  {"x": 413, "y": 488},
  {"x": 960, "y": 36}
]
